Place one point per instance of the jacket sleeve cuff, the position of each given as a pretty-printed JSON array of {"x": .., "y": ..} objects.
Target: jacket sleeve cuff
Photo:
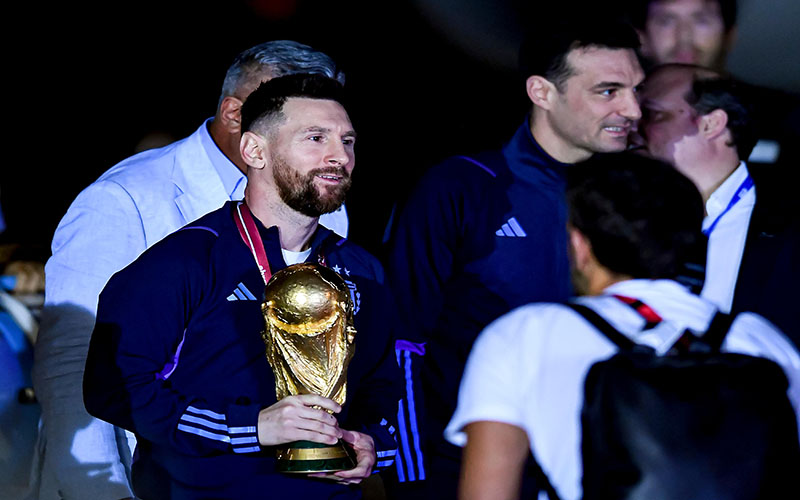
[
  {"x": 243, "y": 428},
  {"x": 383, "y": 434}
]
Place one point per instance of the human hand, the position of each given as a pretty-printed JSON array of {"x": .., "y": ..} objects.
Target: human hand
[
  {"x": 300, "y": 417},
  {"x": 364, "y": 447}
]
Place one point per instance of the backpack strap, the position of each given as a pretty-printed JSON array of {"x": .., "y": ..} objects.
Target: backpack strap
[
  {"x": 717, "y": 330},
  {"x": 710, "y": 341},
  {"x": 611, "y": 333}
]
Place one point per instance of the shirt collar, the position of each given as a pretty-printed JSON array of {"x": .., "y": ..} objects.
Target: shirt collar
[
  {"x": 723, "y": 195},
  {"x": 270, "y": 236},
  {"x": 232, "y": 178}
]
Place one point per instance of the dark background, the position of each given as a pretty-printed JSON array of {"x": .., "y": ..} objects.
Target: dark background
[{"x": 427, "y": 79}]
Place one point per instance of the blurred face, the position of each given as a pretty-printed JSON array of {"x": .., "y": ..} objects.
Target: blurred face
[
  {"x": 598, "y": 105},
  {"x": 685, "y": 31},
  {"x": 312, "y": 155},
  {"x": 668, "y": 129}
]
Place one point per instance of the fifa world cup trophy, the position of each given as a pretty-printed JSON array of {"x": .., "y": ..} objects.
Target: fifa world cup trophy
[{"x": 309, "y": 336}]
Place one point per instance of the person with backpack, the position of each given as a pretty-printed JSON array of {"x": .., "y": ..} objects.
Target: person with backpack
[
  {"x": 705, "y": 125},
  {"x": 667, "y": 415},
  {"x": 482, "y": 235}
]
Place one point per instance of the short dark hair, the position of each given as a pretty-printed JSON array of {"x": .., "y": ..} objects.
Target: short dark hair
[
  {"x": 640, "y": 8},
  {"x": 642, "y": 217},
  {"x": 544, "y": 50},
  {"x": 732, "y": 97},
  {"x": 265, "y": 105}
]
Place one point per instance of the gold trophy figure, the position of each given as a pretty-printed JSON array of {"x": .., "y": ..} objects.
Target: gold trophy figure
[{"x": 309, "y": 336}]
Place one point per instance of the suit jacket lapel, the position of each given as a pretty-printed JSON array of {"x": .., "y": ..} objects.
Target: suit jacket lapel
[{"x": 197, "y": 180}]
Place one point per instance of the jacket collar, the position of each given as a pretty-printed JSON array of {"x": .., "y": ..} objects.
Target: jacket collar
[
  {"x": 272, "y": 244},
  {"x": 523, "y": 152}
]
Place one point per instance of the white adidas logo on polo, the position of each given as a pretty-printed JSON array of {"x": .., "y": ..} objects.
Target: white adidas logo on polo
[
  {"x": 512, "y": 229},
  {"x": 241, "y": 293}
]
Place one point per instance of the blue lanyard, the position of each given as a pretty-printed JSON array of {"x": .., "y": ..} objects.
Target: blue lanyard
[{"x": 743, "y": 189}]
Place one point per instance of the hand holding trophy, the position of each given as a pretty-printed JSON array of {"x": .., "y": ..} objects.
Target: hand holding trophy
[{"x": 309, "y": 336}]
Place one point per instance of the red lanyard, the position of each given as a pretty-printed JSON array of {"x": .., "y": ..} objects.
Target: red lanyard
[
  {"x": 252, "y": 238},
  {"x": 650, "y": 316},
  {"x": 247, "y": 230}
]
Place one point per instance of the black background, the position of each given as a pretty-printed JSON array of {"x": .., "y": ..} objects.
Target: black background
[{"x": 85, "y": 82}]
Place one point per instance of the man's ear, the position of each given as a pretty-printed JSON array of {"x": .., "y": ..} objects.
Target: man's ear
[
  {"x": 713, "y": 124},
  {"x": 541, "y": 91},
  {"x": 252, "y": 147},
  {"x": 230, "y": 114},
  {"x": 581, "y": 249}
]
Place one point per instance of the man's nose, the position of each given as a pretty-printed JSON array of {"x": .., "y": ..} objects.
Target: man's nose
[
  {"x": 630, "y": 107},
  {"x": 685, "y": 33},
  {"x": 336, "y": 154}
]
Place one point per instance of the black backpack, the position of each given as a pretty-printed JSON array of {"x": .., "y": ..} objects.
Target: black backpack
[{"x": 695, "y": 423}]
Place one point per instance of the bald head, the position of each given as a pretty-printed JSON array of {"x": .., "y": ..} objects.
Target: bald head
[{"x": 697, "y": 120}]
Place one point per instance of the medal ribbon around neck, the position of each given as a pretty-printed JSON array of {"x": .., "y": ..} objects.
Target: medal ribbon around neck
[
  {"x": 247, "y": 227},
  {"x": 248, "y": 230}
]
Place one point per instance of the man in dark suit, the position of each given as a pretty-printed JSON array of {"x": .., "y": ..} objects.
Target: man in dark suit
[{"x": 702, "y": 124}]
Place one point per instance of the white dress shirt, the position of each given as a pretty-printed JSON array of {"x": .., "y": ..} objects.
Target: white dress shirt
[{"x": 726, "y": 240}]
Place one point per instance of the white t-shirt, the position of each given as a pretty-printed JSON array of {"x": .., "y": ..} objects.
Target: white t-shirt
[
  {"x": 291, "y": 257},
  {"x": 528, "y": 367}
]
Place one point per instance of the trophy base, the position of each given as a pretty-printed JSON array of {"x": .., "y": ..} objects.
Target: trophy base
[{"x": 304, "y": 457}]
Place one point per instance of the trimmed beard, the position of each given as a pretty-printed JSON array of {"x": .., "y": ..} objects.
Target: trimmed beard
[{"x": 299, "y": 192}]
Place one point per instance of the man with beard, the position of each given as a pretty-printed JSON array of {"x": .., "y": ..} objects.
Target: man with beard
[
  {"x": 702, "y": 124},
  {"x": 632, "y": 222},
  {"x": 484, "y": 234},
  {"x": 129, "y": 208},
  {"x": 176, "y": 355}
]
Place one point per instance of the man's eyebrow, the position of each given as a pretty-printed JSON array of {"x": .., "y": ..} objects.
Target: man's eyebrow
[
  {"x": 325, "y": 130},
  {"x": 608, "y": 85},
  {"x": 315, "y": 128}
]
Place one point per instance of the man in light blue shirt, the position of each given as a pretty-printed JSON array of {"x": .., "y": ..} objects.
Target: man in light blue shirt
[{"x": 128, "y": 209}]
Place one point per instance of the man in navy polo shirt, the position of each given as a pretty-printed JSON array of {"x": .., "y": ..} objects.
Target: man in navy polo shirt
[{"x": 177, "y": 357}]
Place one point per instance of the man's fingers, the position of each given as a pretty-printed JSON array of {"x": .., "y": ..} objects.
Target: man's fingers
[
  {"x": 315, "y": 400},
  {"x": 337, "y": 477},
  {"x": 313, "y": 414},
  {"x": 350, "y": 437},
  {"x": 293, "y": 418},
  {"x": 317, "y": 437},
  {"x": 359, "y": 473}
]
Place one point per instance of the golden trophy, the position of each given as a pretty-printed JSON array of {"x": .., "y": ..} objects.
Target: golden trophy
[{"x": 309, "y": 336}]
